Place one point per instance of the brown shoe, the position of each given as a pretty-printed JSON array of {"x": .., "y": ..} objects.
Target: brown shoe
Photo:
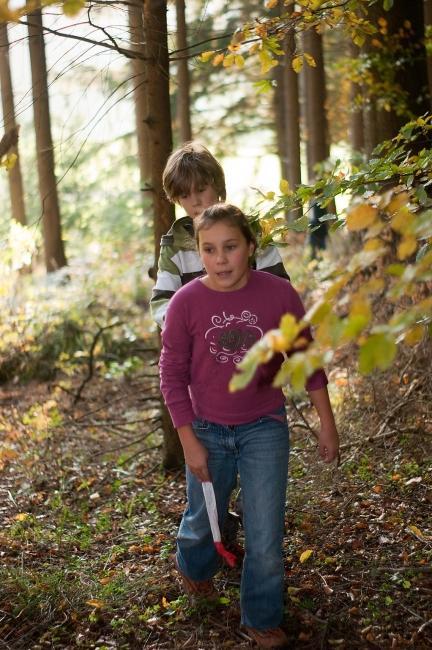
[
  {"x": 197, "y": 589},
  {"x": 273, "y": 638}
]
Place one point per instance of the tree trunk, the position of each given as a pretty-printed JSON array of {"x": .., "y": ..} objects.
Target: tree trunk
[
  {"x": 136, "y": 30},
  {"x": 428, "y": 24},
  {"x": 318, "y": 148},
  {"x": 54, "y": 251},
  {"x": 292, "y": 119},
  {"x": 356, "y": 127},
  {"x": 316, "y": 118},
  {"x": 412, "y": 75},
  {"x": 183, "y": 76},
  {"x": 160, "y": 141},
  {"x": 16, "y": 191},
  {"x": 278, "y": 107}
]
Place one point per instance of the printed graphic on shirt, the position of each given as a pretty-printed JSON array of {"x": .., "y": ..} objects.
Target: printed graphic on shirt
[{"x": 230, "y": 337}]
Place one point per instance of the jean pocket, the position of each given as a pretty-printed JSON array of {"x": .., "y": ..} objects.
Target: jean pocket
[
  {"x": 200, "y": 425},
  {"x": 279, "y": 415}
]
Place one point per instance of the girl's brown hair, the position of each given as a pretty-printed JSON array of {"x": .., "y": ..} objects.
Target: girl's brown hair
[
  {"x": 227, "y": 213},
  {"x": 192, "y": 165}
]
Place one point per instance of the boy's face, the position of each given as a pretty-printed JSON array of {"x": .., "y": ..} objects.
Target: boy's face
[{"x": 198, "y": 199}]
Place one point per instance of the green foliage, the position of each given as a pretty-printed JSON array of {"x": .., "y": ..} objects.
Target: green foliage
[
  {"x": 393, "y": 265},
  {"x": 261, "y": 41},
  {"x": 49, "y": 326}
]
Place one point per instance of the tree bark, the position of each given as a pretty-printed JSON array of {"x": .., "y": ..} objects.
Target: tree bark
[
  {"x": 160, "y": 141},
  {"x": 428, "y": 23},
  {"x": 315, "y": 110},
  {"x": 183, "y": 77},
  {"x": 279, "y": 113},
  {"x": 292, "y": 116},
  {"x": 16, "y": 190},
  {"x": 136, "y": 30},
  {"x": 54, "y": 251},
  {"x": 412, "y": 74},
  {"x": 356, "y": 127},
  {"x": 317, "y": 145}
]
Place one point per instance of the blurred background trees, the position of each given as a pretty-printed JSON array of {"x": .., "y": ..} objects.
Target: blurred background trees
[{"x": 281, "y": 93}]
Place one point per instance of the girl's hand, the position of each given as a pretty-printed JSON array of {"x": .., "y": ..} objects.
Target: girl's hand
[
  {"x": 195, "y": 453},
  {"x": 328, "y": 444}
]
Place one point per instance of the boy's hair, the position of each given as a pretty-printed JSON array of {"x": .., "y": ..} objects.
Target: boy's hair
[
  {"x": 227, "y": 213},
  {"x": 192, "y": 165}
]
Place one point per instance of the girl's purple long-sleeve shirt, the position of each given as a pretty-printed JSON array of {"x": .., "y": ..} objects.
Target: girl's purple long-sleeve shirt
[{"x": 207, "y": 333}]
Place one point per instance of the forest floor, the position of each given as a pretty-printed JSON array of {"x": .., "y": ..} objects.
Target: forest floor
[{"x": 88, "y": 521}]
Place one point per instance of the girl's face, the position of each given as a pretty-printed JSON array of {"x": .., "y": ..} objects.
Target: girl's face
[
  {"x": 198, "y": 199},
  {"x": 225, "y": 255}
]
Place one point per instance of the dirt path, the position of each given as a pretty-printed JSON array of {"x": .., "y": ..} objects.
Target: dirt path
[{"x": 88, "y": 521}]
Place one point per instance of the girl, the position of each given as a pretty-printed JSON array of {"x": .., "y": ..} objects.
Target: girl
[{"x": 210, "y": 324}]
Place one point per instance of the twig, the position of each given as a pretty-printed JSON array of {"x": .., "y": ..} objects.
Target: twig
[
  {"x": 91, "y": 358},
  {"x": 127, "y": 444},
  {"x": 416, "y": 569},
  {"x": 424, "y": 625}
]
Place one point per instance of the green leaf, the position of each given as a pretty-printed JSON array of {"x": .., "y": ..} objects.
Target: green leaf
[
  {"x": 378, "y": 351},
  {"x": 72, "y": 7},
  {"x": 387, "y": 4},
  {"x": 299, "y": 225},
  {"x": 263, "y": 86}
]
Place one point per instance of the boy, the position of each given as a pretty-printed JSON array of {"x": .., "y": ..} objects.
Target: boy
[{"x": 194, "y": 179}]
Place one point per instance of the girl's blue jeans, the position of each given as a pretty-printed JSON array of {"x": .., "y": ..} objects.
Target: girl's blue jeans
[{"x": 257, "y": 451}]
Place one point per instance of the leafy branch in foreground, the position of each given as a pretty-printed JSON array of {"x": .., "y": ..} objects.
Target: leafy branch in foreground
[{"x": 393, "y": 268}]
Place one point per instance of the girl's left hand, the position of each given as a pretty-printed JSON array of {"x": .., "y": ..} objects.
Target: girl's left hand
[{"x": 329, "y": 444}]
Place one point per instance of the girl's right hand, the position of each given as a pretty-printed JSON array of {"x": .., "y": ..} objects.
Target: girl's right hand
[{"x": 195, "y": 453}]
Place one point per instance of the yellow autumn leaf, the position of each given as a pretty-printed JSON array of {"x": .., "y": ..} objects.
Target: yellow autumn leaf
[
  {"x": 297, "y": 63},
  {"x": 414, "y": 335},
  {"x": 95, "y": 602},
  {"x": 72, "y": 7},
  {"x": 284, "y": 187},
  {"x": 254, "y": 48},
  {"x": 267, "y": 61},
  {"x": 318, "y": 312},
  {"x": 9, "y": 161},
  {"x": 403, "y": 220},
  {"x": 22, "y": 516},
  {"x": 361, "y": 307},
  {"x": 416, "y": 531},
  {"x": 239, "y": 61},
  {"x": 361, "y": 217},
  {"x": 218, "y": 59},
  {"x": 165, "y": 602},
  {"x": 228, "y": 61},
  {"x": 397, "y": 202},
  {"x": 372, "y": 244},
  {"x": 270, "y": 4},
  {"x": 310, "y": 60},
  {"x": 276, "y": 341},
  {"x": 305, "y": 555},
  {"x": 206, "y": 56},
  {"x": 407, "y": 247}
]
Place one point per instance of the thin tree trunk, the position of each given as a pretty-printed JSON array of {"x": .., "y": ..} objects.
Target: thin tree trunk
[
  {"x": 160, "y": 140},
  {"x": 278, "y": 106},
  {"x": 183, "y": 77},
  {"x": 136, "y": 30},
  {"x": 318, "y": 148},
  {"x": 16, "y": 190},
  {"x": 316, "y": 118},
  {"x": 356, "y": 127},
  {"x": 428, "y": 23},
  {"x": 292, "y": 118},
  {"x": 54, "y": 250}
]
